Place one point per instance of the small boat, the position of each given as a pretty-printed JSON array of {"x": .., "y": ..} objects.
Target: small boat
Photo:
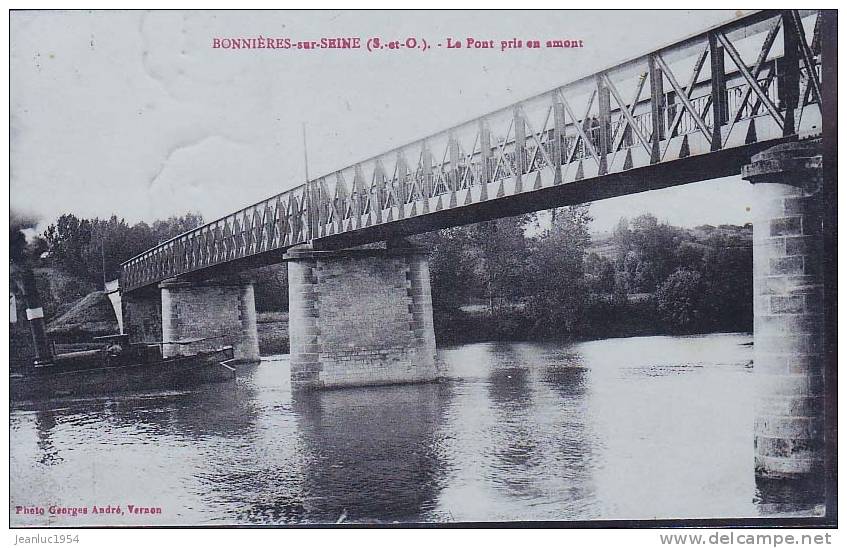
[{"x": 120, "y": 366}]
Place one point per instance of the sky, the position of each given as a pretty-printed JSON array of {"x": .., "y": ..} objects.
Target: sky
[{"x": 134, "y": 113}]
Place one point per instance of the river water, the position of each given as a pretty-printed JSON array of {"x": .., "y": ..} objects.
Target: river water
[{"x": 638, "y": 428}]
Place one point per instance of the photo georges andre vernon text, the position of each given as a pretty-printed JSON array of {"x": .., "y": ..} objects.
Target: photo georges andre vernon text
[
  {"x": 377, "y": 43},
  {"x": 72, "y": 511}
]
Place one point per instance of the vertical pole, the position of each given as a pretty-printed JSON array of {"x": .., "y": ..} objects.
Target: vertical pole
[
  {"x": 657, "y": 107},
  {"x": 485, "y": 151},
  {"x": 719, "y": 110},
  {"x": 426, "y": 157},
  {"x": 311, "y": 202},
  {"x": 453, "y": 145},
  {"x": 103, "y": 264},
  {"x": 34, "y": 315},
  {"x": 378, "y": 200},
  {"x": 558, "y": 136},
  {"x": 484, "y": 158},
  {"x": 360, "y": 195},
  {"x": 520, "y": 144},
  {"x": 604, "y": 104},
  {"x": 322, "y": 201},
  {"x": 789, "y": 89},
  {"x": 401, "y": 189}
]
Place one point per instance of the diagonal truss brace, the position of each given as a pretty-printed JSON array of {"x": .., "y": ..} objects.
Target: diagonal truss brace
[
  {"x": 625, "y": 110},
  {"x": 588, "y": 144},
  {"x": 752, "y": 82},
  {"x": 684, "y": 97}
]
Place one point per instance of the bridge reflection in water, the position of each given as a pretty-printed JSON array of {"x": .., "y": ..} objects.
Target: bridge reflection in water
[
  {"x": 615, "y": 429},
  {"x": 377, "y": 458}
]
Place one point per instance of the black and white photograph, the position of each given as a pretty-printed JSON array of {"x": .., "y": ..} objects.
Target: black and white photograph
[{"x": 422, "y": 268}]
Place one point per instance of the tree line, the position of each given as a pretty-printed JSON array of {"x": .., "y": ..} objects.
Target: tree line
[
  {"x": 541, "y": 276},
  {"x": 533, "y": 276},
  {"x": 93, "y": 249}
]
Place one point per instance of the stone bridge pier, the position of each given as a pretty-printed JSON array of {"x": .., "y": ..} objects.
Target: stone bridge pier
[
  {"x": 360, "y": 317},
  {"x": 220, "y": 312},
  {"x": 788, "y": 308}
]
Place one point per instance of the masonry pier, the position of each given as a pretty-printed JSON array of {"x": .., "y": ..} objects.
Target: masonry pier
[
  {"x": 221, "y": 312},
  {"x": 788, "y": 307},
  {"x": 360, "y": 317},
  {"x": 142, "y": 314}
]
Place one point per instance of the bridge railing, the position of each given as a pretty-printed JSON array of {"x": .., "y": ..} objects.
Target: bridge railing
[
  {"x": 749, "y": 79},
  {"x": 277, "y": 222}
]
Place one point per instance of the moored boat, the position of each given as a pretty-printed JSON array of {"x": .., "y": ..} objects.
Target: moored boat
[{"x": 120, "y": 367}]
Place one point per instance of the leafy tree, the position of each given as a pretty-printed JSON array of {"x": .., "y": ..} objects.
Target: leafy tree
[
  {"x": 622, "y": 239},
  {"x": 728, "y": 282},
  {"x": 94, "y": 249},
  {"x": 451, "y": 267},
  {"x": 67, "y": 240},
  {"x": 499, "y": 250},
  {"x": 690, "y": 255},
  {"x": 680, "y": 301},
  {"x": 174, "y": 226},
  {"x": 602, "y": 273},
  {"x": 558, "y": 271},
  {"x": 644, "y": 251}
]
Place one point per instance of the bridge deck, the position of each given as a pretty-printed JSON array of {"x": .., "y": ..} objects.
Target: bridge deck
[{"x": 695, "y": 110}]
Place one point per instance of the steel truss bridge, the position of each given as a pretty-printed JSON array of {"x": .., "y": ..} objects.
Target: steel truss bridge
[{"x": 691, "y": 111}]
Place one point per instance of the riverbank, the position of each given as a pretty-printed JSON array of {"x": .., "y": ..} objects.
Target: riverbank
[
  {"x": 600, "y": 316},
  {"x": 634, "y": 317}
]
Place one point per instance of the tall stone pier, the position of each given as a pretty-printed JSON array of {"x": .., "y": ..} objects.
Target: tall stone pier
[
  {"x": 220, "y": 312},
  {"x": 360, "y": 317},
  {"x": 788, "y": 307}
]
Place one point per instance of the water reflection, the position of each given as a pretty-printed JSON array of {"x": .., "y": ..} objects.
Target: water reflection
[
  {"x": 540, "y": 441},
  {"x": 45, "y": 421},
  {"x": 373, "y": 454},
  {"x": 621, "y": 429},
  {"x": 516, "y": 444}
]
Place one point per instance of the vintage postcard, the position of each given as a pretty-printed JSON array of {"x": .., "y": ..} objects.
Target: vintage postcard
[{"x": 404, "y": 268}]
